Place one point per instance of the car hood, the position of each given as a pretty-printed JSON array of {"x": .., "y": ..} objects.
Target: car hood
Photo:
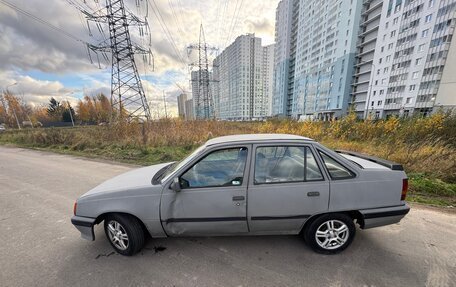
[{"x": 135, "y": 179}]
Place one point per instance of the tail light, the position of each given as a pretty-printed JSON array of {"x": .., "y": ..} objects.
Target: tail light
[
  {"x": 404, "y": 188},
  {"x": 74, "y": 207}
]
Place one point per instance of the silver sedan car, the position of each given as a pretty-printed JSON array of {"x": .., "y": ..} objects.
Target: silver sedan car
[{"x": 259, "y": 184}]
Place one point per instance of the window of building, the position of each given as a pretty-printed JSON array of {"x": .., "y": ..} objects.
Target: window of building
[
  {"x": 380, "y": 60},
  {"x": 382, "y": 49},
  {"x": 395, "y": 20},
  {"x": 415, "y": 75},
  {"x": 412, "y": 87},
  {"x": 372, "y": 103},
  {"x": 390, "y": 46},
  {"x": 393, "y": 33},
  {"x": 408, "y": 100},
  {"x": 386, "y": 25},
  {"x": 385, "y": 70},
  {"x": 418, "y": 61},
  {"x": 431, "y": 3},
  {"x": 379, "y": 103},
  {"x": 424, "y": 33},
  {"x": 388, "y": 58},
  {"x": 428, "y": 18},
  {"x": 421, "y": 48},
  {"x": 381, "y": 92}
]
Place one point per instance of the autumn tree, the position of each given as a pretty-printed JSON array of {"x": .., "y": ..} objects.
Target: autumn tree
[{"x": 95, "y": 109}]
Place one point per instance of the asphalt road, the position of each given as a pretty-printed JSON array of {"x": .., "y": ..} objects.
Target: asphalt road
[{"x": 40, "y": 247}]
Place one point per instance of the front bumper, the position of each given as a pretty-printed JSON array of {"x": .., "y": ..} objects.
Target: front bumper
[
  {"x": 384, "y": 216},
  {"x": 85, "y": 226}
]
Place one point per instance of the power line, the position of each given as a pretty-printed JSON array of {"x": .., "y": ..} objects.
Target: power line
[
  {"x": 235, "y": 19},
  {"x": 39, "y": 20},
  {"x": 166, "y": 30}
]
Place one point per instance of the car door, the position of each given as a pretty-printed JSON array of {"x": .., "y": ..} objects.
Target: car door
[
  {"x": 286, "y": 187},
  {"x": 212, "y": 200}
]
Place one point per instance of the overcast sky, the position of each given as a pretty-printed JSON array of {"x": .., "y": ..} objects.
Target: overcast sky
[{"x": 45, "y": 63}]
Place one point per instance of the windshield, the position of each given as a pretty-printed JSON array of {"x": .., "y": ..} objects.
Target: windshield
[{"x": 177, "y": 165}]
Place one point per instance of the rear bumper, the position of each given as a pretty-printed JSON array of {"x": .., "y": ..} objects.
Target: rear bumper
[
  {"x": 85, "y": 226},
  {"x": 383, "y": 216}
]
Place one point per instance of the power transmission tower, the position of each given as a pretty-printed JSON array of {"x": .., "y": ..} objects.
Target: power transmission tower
[
  {"x": 203, "y": 101},
  {"x": 127, "y": 93}
]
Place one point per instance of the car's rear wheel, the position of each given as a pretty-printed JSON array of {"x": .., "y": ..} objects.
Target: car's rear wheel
[
  {"x": 330, "y": 233},
  {"x": 125, "y": 233}
]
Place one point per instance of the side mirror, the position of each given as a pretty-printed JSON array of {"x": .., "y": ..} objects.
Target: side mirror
[{"x": 175, "y": 185}]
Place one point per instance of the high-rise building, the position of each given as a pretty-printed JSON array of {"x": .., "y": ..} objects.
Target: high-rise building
[
  {"x": 409, "y": 63},
  {"x": 378, "y": 57},
  {"x": 268, "y": 78},
  {"x": 181, "y": 99},
  {"x": 367, "y": 40},
  {"x": 241, "y": 78},
  {"x": 203, "y": 101},
  {"x": 318, "y": 60},
  {"x": 189, "y": 110},
  {"x": 285, "y": 28}
]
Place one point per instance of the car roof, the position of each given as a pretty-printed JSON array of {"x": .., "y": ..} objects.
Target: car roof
[{"x": 256, "y": 138}]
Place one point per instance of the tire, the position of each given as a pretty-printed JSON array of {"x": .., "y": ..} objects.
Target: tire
[
  {"x": 124, "y": 233},
  {"x": 330, "y": 240}
]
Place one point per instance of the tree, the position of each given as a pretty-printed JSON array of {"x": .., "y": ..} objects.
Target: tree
[
  {"x": 55, "y": 110},
  {"x": 95, "y": 109},
  {"x": 66, "y": 116}
]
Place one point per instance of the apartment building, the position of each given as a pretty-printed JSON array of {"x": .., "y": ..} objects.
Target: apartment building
[
  {"x": 376, "y": 57},
  {"x": 203, "y": 99},
  {"x": 364, "y": 65},
  {"x": 319, "y": 59},
  {"x": 181, "y": 99},
  {"x": 242, "y": 84},
  {"x": 189, "y": 110},
  {"x": 411, "y": 53}
]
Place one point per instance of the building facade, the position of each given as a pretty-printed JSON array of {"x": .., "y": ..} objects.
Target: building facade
[
  {"x": 375, "y": 57},
  {"x": 321, "y": 53},
  {"x": 189, "y": 110},
  {"x": 203, "y": 99},
  {"x": 181, "y": 99},
  {"x": 410, "y": 59},
  {"x": 241, "y": 80}
]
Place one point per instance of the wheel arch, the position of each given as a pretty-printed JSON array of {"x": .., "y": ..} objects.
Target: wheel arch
[
  {"x": 354, "y": 214},
  {"x": 105, "y": 215}
]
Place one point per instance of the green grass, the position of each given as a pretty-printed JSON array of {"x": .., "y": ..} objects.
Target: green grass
[{"x": 431, "y": 191}]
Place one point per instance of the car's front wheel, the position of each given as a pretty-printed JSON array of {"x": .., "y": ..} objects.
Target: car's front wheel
[
  {"x": 125, "y": 233},
  {"x": 330, "y": 233}
]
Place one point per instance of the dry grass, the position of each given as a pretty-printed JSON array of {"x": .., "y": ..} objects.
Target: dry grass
[{"x": 423, "y": 145}]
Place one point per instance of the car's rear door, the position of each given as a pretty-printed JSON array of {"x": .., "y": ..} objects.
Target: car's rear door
[
  {"x": 286, "y": 186},
  {"x": 213, "y": 196}
]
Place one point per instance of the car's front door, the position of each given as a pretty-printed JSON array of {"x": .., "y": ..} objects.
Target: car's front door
[
  {"x": 212, "y": 199},
  {"x": 286, "y": 186}
]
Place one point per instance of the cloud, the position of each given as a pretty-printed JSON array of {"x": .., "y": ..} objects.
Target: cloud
[{"x": 27, "y": 46}]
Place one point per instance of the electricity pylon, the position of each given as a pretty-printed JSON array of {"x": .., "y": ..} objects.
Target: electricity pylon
[
  {"x": 203, "y": 101},
  {"x": 127, "y": 92}
]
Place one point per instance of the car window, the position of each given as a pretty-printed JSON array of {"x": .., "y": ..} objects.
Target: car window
[
  {"x": 219, "y": 168},
  {"x": 285, "y": 164},
  {"x": 335, "y": 169}
]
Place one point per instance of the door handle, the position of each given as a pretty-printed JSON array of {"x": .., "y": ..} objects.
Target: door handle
[
  {"x": 313, "y": 193},
  {"x": 238, "y": 198}
]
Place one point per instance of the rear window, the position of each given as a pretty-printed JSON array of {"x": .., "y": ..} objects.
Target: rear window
[{"x": 335, "y": 169}]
